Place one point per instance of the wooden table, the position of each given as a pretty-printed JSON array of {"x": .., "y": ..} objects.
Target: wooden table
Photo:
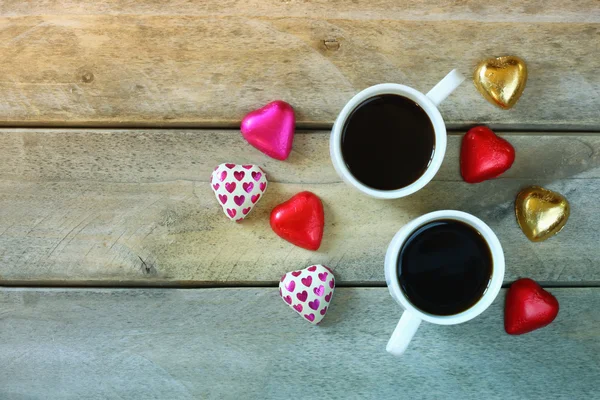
[{"x": 121, "y": 277}]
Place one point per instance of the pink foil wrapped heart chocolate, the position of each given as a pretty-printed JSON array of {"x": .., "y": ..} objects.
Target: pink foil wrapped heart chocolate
[
  {"x": 308, "y": 291},
  {"x": 271, "y": 129},
  {"x": 238, "y": 188}
]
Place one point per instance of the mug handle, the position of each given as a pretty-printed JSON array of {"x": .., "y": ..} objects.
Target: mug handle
[
  {"x": 445, "y": 87},
  {"x": 404, "y": 332}
]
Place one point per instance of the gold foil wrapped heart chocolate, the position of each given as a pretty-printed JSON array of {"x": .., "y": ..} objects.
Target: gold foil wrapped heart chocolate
[
  {"x": 541, "y": 213},
  {"x": 501, "y": 80}
]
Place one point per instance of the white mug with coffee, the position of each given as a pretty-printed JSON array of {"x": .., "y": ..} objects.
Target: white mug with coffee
[
  {"x": 389, "y": 140},
  {"x": 446, "y": 268}
]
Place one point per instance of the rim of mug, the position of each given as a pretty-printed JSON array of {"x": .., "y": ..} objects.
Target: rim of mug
[
  {"x": 439, "y": 129},
  {"x": 494, "y": 284}
]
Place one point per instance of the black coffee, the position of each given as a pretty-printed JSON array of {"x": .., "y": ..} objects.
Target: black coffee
[
  {"x": 388, "y": 142},
  {"x": 445, "y": 267}
]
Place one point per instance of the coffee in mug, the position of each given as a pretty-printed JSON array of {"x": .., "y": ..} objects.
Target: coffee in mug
[
  {"x": 388, "y": 142},
  {"x": 444, "y": 267}
]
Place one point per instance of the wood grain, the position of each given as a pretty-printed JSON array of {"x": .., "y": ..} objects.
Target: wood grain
[
  {"x": 207, "y": 63},
  {"x": 119, "y": 207},
  {"x": 246, "y": 343},
  {"x": 472, "y": 10}
]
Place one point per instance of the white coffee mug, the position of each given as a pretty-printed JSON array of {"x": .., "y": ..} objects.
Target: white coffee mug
[
  {"x": 428, "y": 103},
  {"x": 412, "y": 316}
]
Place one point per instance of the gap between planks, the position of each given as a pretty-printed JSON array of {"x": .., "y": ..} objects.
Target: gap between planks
[
  {"x": 303, "y": 127},
  {"x": 228, "y": 285}
]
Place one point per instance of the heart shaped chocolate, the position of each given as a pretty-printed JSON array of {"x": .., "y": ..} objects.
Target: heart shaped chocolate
[
  {"x": 528, "y": 307},
  {"x": 300, "y": 220},
  {"x": 484, "y": 155},
  {"x": 501, "y": 80},
  {"x": 308, "y": 291},
  {"x": 541, "y": 213},
  {"x": 271, "y": 129},
  {"x": 238, "y": 188}
]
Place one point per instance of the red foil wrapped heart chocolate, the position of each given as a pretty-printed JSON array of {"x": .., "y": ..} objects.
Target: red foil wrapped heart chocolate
[
  {"x": 271, "y": 129},
  {"x": 484, "y": 155},
  {"x": 300, "y": 220},
  {"x": 308, "y": 291},
  {"x": 528, "y": 307}
]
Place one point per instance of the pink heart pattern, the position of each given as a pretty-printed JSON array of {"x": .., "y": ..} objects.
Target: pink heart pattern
[
  {"x": 306, "y": 281},
  {"x": 230, "y": 186},
  {"x": 237, "y": 188},
  {"x": 304, "y": 291},
  {"x": 319, "y": 290},
  {"x": 302, "y": 296},
  {"x": 239, "y": 200},
  {"x": 248, "y": 186},
  {"x": 290, "y": 286},
  {"x": 256, "y": 176},
  {"x": 239, "y": 175}
]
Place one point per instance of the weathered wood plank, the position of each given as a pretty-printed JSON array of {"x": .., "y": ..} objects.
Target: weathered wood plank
[
  {"x": 246, "y": 343},
  {"x": 470, "y": 10},
  {"x": 200, "y": 63},
  {"x": 135, "y": 207}
]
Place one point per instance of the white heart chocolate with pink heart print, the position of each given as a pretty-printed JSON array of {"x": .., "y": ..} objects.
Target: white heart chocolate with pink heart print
[
  {"x": 308, "y": 291},
  {"x": 238, "y": 188}
]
